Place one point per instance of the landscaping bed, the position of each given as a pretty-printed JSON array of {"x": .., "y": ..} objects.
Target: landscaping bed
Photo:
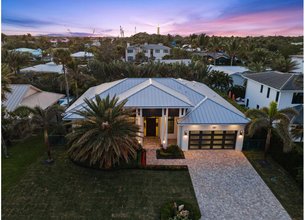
[
  {"x": 180, "y": 210},
  {"x": 171, "y": 152}
]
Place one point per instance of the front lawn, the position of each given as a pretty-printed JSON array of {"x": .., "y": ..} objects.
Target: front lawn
[
  {"x": 281, "y": 184},
  {"x": 65, "y": 190},
  {"x": 21, "y": 155}
]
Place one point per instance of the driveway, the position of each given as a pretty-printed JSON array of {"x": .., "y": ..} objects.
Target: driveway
[{"x": 227, "y": 186}]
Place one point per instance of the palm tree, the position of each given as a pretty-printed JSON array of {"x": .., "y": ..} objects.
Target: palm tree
[
  {"x": 214, "y": 47},
  {"x": 6, "y": 78},
  {"x": 283, "y": 64},
  {"x": 63, "y": 57},
  {"x": 271, "y": 119},
  {"x": 44, "y": 119},
  {"x": 16, "y": 60},
  {"x": 105, "y": 135},
  {"x": 297, "y": 132},
  {"x": 257, "y": 66},
  {"x": 232, "y": 47}
]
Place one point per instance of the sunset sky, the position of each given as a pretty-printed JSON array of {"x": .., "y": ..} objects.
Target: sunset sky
[{"x": 216, "y": 17}]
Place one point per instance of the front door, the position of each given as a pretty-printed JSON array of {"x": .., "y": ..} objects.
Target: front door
[{"x": 150, "y": 126}]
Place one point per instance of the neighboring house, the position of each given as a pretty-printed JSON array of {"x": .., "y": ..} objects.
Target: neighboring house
[
  {"x": 37, "y": 53},
  {"x": 299, "y": 60},
  {"x": 297, "y": 121},
  {"x": 177, "y": 61},
  {"x": 151, "y": 51},
  {"x": 188, "y": 47},
  {"x": 82, "y": 55},
  {"x": 219, "y": 57},
  {"x": 236, "y": 72},
  {"x": 50, "y": 67},
  {"x": 188, "y": 112},
  {"x": 28, "y": 95},
  {"x": 284, "y": 88}
]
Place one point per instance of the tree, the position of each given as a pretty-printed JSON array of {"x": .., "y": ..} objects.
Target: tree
[
  {"x": 44, "y": 119},
  {"x": 140, "y": 57},
  {"x": 6, "y": 78},
  {"x": 63, "y": 57},
  {"x": 232, "y": 47},
  {"x": 16, "y": 60},
  {"x": 105, "y": 135},
  {"x": 214, "y": 47},
  {"x": 272, "y": 120},
  {"x": 283, "y": 64},
  {"x": 257, "y": 66},
  {"x": 219, "y": 80}
]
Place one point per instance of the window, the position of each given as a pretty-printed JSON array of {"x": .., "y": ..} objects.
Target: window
[
  {"x": 165, "y": 51},
  {"x": 277, "y": 96},
  {"x": 247, "y": 103},
  {"x": 171, "y": 125},
  {"x": 262, "y": 88},
  {"x": 268, "y": 93},
  {"x": 297, "y": 98},
  {"x": 157, "y": 51},
  {"x": 129, "y": 58},
  {"x": 129, "y": 51},
  {"x": 257, "y": 106},
  {"x": 144, "y": 51}
]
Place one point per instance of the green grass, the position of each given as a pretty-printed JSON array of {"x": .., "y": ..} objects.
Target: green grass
[
  {"x": 280, "y": 183},
  {"x": 67, "y": 191},
  {"x": 21, "y": 155}
]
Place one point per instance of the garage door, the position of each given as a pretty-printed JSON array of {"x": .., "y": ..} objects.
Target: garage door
[{"x": 212, "y": 140}]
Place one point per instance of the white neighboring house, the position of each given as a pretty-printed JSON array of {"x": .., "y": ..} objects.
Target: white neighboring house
[
  {"x": 30, "y": 96},
  {"x": 34, "y": 52},
  {"x": 156, "y": 51},
  {"x": 284, "y": 88},
  {"x": 236, "y": 72},
  {"x": 299, "y": 59},
  {"x": 50, "y": 67},
  {"x": 82, "y": 55},
  {"x": 186, "y": 112}
]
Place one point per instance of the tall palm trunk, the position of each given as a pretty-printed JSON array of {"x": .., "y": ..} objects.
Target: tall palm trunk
[
  {"x": 67, "y": 84},
  {"x": 232, "y": 61},
  {"x": 47, "y": 143},
  {"x": 268, "y": 140}
]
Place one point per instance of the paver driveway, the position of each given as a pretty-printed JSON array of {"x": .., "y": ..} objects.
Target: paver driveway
[{"x": 227, "y": 186}]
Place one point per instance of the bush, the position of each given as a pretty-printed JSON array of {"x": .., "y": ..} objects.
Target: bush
[
  {"x": 171, "y": 152},
  {"x": 169, "y": 211}
]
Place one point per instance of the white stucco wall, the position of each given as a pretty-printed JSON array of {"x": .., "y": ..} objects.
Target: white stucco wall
[
  {"x": 256, "y": 97},
  {"x": 285, "y": 100},
  {"x": 184, "y": 139}
]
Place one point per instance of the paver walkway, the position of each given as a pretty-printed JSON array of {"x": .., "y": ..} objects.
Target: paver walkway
[{"x": 227, "y": 186}]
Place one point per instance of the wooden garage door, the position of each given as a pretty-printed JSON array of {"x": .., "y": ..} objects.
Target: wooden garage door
[{"x": 212, "y": 140}]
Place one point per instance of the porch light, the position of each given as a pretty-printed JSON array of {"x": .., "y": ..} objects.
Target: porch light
[
  {"x": 241, "y": 132},
  {"x": 163, "y": 141},
  {"x": 185, "y": 133},
  {"x": 214, "y": 126},
  {"x": 139, "y": 141}
]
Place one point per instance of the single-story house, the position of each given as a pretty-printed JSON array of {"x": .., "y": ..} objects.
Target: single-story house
[
  {"x": 50, "y": 67},
  {"x": 33, "y": 52},
  {"x": 188, "y": 112},
  {"x": 31, "y": 96},
  {"x": 82, "y": 55},
  {"x": 236, "y": 72}
]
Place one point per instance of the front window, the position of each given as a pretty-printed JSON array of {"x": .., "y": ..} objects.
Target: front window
[
  {"x": 268, "y": 92},
  {"x": 130, "y": 58},
  {"x": 157, "y": 51},
  {"x": 297, "y": 98},
  {"x": 171, "y": 125},
  {"x": 165, "y": 51},
  {"x": 129, "y": 51}
]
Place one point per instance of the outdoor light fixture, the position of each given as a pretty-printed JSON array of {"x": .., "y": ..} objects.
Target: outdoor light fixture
[
  {"x": 185, "y": 133},
  {"x": 214, "y": 126},
  {"x": 139, "y": 141},
  {"x": 241, "y": 132},
  {"x": 163, "y": 141}
]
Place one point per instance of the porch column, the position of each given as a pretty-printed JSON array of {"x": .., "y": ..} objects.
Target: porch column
[
  {"x": 141, "y": 127},
  {"x": 165, "y": 128},
  {"x": 139, "y": 122},
  {"x": 179, "y": 129}
]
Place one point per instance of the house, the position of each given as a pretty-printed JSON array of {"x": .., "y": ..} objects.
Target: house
[
  {"x": 220, "y": 58},
  {"x": 28, "y": 95},
  {"x": 151, "y": 51},
  {"x": 284, "y": 88},
  {"x": 50, "y": 67},
  {"x": 176, "y": 61},
  {"x": 174, "y": 110},
  {"x": 236, "y": 72},
  {"x": 299, "y": 60},
  {"x": 297, "y": 122},
  {"x": 37, "y": 53},
  {"x": 82, "y": 55}
]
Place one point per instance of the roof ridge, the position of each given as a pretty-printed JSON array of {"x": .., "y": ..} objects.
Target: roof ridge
[
  {"x": 177, "y": 80},
  {"x": 196, "y": 106},
  {"x": 286, "y": 81}
]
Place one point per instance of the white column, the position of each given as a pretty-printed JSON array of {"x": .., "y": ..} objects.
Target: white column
[
  {"x": 138, "y": 122},
  {"x": 141, "y": 127},
  {"x": 179, "y": 130},
  {"x": 165, "y": 138},
  {"x": 161, "y": 124}
]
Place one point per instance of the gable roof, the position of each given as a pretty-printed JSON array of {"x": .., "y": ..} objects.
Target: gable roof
[
  {"x": 50, "y": 67},
  {"x": 229, "y": 69},
  {"x": 81, "y": 54},
  {"x": 28, "y": 95},
  {"x": 277, "y": 80},
  {"x": 210, "y": 112},
  {"x": 160, "y": 93}
]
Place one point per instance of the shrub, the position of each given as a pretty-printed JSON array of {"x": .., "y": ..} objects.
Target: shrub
[
  {"x": 171, "y": 152},
  {"x": 170, "y": 211}
]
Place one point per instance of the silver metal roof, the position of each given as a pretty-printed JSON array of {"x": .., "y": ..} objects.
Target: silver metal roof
[
  {"x": 14, "y": 98},
  {"x": 163, "y": 93}
]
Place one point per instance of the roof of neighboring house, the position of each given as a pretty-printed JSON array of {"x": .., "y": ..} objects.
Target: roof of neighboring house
[
  {"x": 229, "y": 69},
  {"x": 34, "y": 52},
  {"x": 298, "y": 119},
  {"x": 149, "y": 46},
  {"x": 50, "y": 67},
  {"x": 179, "y": 61},
  {"x": 278, "y": 80},
  {"x": 28, "y": 95},
  {"x": 82, "y": 54},
  {"x": 165, "y": 93}
]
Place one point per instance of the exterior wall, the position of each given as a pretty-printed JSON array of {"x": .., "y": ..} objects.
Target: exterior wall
[
  {"x": 158, "y": 56},
  {"x": 238, "y": 79},
  {"x": 183, "y": 140},
  {"x": 285, "y": 99},
  {"x": 256, "y": 97}
]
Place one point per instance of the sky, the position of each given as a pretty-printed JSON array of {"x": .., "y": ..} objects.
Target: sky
[{"x": 183, "y": 17}]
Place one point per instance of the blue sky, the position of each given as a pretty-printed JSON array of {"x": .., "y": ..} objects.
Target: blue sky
[{"x": 220, "y": 17}]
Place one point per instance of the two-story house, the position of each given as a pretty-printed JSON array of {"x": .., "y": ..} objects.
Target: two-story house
[
  {"x": 284, "y": 88},
  {"x": 151, "y": 51}
]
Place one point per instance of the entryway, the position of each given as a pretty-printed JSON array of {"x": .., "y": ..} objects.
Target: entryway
[{"x": 151, "y": 127}]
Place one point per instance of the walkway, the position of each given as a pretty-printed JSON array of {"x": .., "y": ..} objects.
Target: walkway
[{"x": 227, "y": 186}]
